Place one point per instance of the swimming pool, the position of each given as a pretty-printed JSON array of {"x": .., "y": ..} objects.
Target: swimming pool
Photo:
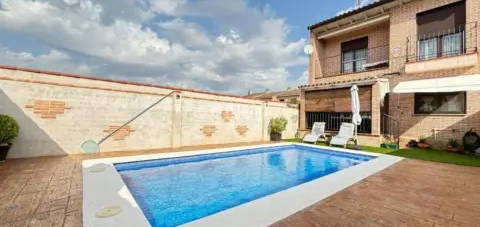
[{"x": 175, "y": 191}]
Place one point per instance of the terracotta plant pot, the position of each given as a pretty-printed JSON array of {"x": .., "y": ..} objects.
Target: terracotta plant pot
[
  {"x": 423, "y": 145},
  {"x": 275, "y": 136},
  {"x": 4, "y": 151},
  {"x": 454, "y": 149}
]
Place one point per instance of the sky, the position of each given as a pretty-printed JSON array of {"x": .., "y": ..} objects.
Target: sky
[{"x": 228, "y": 46}]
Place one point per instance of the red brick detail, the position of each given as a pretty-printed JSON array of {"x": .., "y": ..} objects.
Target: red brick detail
[
  {"x": 120, "y": 134},
  {"x": 242, "y": 129},
  {"x": 48, "y": 108},
  {"x": 227, "y": 115},
  {"x": 208, "y": 130}
]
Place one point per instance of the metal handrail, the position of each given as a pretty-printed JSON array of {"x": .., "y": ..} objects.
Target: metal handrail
[
  {"x": 468, "y": 45},
  {"x": 332, "y": 65},
  {"x": 391, "y": 120}
]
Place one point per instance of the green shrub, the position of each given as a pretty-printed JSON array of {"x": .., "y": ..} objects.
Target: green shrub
[
  {"x": 452, "y": 143},
  {"x": 277, "y": 125},
  {"x": 8, "y": 129}
]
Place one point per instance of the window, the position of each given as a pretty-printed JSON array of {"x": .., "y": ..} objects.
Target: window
[
  {"x": 428, "y": 48},
  {"x": 445, "y": 45},
  {"x": 440, "y": 103},
  {"x": 354, "y": 55},
  {"x": 452, "y": 44},
  {"x": 441, "y": 31}
]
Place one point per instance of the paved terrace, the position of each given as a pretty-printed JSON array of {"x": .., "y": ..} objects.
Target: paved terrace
[{"x": 47, "y": 191}]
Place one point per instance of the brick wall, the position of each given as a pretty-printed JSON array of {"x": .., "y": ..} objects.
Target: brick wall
[
  {"x": 326, "y": 60},
  {"x": 57, "y": 113},
  {"x": 401, "y": 25},
  {"x": 437, "y": 128}
]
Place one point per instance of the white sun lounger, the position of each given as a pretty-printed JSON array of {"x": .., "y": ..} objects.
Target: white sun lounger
[
  {"x": 318, "y": 130},
  {"x": 344, "y": 135}
]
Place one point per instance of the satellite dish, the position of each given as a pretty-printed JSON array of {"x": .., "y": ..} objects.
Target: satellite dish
[{"x": 308, "y": 49}]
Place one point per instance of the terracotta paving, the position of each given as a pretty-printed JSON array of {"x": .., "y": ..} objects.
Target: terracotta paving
[
  {"x": 47, "y": 191},
  {"x": 409, "y": 193}
]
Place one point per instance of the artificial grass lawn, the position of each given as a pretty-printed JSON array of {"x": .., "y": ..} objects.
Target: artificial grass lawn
[{"x": 421, "y": 154}]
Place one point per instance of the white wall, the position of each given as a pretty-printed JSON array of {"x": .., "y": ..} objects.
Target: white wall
[{"x": 96, "y": 104}]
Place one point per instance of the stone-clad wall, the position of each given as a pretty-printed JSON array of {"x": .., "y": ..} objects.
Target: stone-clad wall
[{"x": 57, "y": 113}]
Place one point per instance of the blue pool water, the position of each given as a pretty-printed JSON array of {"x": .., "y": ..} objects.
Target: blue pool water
[{"x": 175, "y": 191}]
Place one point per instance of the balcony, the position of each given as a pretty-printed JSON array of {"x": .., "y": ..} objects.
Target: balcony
[
  {"x": 360, "y": 61},
  {"x": 456, "y": 48}
]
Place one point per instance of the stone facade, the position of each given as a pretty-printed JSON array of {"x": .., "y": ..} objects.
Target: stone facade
[
  {"x": 94, "y": 107},
  {"x": 397, "y": 32}
]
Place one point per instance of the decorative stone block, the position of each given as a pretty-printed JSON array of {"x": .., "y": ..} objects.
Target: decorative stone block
[
  {"x": 208, "y": 130},
  {"x": 120, "y": 134},
  {"x": 242, "y": 129},
  {"x": 48, "y": 108},
  {"x": 227, "y": 115}
]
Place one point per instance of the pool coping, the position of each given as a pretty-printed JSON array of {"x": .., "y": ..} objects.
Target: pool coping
[{"x": 106, "y": 188}]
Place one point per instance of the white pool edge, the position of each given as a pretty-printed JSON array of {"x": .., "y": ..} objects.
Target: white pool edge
[{"x": 106, "y": 188}]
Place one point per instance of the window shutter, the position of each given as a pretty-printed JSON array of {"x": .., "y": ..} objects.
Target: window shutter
[
  {"x": 441, "y": 20},
  {"x": 355, "y": 44},
  {"x": 337, "y": 100}
]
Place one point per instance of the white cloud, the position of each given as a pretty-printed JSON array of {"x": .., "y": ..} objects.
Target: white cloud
[
  {"x": 168, "y": 7},
  {"x": 52, "y": 60},
  {"x": 189, "y": 34},
  {"x": 247, "y": 48},
  {"x": 303, "y": 79}
]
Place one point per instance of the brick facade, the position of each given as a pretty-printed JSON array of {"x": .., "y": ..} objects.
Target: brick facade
[
  {"x": 437, "y": 128},
  {"x": 327, "y": 58},
  {"x": 400, "y": 27}
]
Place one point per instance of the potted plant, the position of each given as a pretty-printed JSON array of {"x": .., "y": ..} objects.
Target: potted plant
[
  {"x": 276, "y": 127},
  {"x": 453, "y": 145},
  {"x": 8, "y": 132},
  {"x": 422, "y": 143}
]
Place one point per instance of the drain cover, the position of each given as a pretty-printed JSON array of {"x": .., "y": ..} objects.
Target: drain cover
[
  {"x": 108, "y": 211},
  {"x": 97, "y": 168}
]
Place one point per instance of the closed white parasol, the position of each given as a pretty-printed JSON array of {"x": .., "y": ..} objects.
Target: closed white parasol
[{"x": 356, "y": 117}]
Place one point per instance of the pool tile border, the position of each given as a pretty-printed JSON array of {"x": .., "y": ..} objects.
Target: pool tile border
[{"x": 102, "y": 189}]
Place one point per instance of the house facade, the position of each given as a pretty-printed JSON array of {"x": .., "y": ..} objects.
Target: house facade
[{"x": 416, "y": 65}]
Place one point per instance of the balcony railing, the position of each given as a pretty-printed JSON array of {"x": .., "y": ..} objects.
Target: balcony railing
[
  {"x": 376, "y": 57},
  {"x": 333, "y": 120},
  {"x": 458, "y": 41}
]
